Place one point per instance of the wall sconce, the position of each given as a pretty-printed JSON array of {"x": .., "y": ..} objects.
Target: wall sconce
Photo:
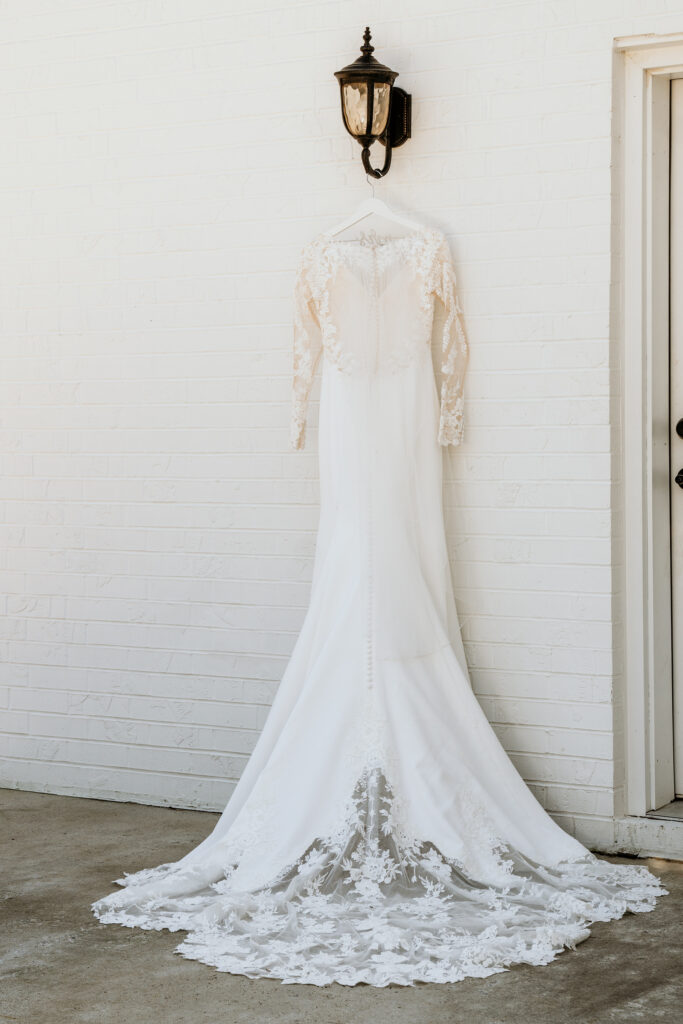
[{"x": 373, "y": 108}]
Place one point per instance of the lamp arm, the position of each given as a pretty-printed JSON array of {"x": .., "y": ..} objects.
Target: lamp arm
[{"x": 387, "y": 160}]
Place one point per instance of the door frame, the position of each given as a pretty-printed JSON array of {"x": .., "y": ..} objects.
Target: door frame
[{"x": 643, "y": 68}]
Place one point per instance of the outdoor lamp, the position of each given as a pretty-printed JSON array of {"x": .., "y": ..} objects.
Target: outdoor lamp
[{"x": 373, "y": 108}]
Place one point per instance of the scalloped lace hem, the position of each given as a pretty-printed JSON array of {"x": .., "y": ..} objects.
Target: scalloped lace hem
[{"x": 374, "y": 906}]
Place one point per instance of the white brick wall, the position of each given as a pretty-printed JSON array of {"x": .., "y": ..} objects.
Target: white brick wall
[{"x": 162, "y": 165}]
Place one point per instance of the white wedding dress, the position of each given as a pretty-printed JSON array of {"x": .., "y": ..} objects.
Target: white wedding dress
[{"x": 379, "y": 832}]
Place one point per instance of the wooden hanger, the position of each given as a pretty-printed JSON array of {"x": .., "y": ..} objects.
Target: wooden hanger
[{"x": 378, "y": 207}]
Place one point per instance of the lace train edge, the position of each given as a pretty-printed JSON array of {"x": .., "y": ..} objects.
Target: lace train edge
[
  {"x": 440, "y": 933},
  {"x": 373, "y": 906}
]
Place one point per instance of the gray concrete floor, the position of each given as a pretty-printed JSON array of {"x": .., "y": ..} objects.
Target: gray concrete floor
[{"x": 60, "y": 966}]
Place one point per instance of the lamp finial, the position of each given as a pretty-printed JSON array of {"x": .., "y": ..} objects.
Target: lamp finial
[{"x": 366, "y": 48}]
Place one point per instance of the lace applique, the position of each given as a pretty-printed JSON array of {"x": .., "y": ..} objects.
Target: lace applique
[
  {"x": 374, "y": 904},
  {"x": 314, "y": 331},
  {"x": 308, "y": 346},
  {"x": 454, "y": 347},
  {"x": 371, "y": 901}
]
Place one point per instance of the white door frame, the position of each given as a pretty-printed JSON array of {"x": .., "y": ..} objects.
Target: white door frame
[
  {"x": 676, "y": 408},
  {"x": 642, "y": 72}
]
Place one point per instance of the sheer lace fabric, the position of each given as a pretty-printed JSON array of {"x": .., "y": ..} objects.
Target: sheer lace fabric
[
  {"x": 379, "y": 832},
  {"x": 344, "y": 314},
  {"x": 372, "y": 904}
]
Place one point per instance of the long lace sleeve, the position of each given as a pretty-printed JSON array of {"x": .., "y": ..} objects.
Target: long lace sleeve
[
  {"x": 307, "y": 351},
  {"x": 454, "y": 350}
]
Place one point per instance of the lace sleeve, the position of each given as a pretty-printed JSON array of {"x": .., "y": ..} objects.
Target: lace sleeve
[
  {"x": 454, "y": 350},
  {"x": 307, "y": 351}
]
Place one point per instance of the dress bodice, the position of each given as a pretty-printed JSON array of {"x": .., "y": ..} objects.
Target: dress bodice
[{"x": 368, "y": 305}]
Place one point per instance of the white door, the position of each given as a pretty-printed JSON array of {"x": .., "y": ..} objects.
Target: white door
[{"x": 676, "y": 416}]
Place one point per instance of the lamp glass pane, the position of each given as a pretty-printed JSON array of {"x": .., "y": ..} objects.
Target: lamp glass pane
[
  {"x": 356, "y": 106},
  {"x": 380, "y": 109}
]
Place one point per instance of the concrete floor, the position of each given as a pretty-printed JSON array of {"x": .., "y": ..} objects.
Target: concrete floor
[{"x": 60, "y": 966}]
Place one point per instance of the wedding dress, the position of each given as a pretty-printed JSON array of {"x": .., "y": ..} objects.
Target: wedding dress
[{"x": 379, "y": 832}]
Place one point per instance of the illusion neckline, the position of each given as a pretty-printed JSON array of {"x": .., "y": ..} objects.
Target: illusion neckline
[{"x": 372, "y": 239}]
